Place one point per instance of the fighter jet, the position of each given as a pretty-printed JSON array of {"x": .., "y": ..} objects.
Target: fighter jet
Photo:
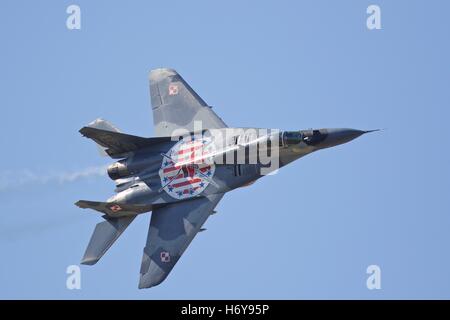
[{"x": 182, "y": 173}]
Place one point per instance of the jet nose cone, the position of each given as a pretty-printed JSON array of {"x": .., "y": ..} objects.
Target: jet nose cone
[{"x": 341, "y": 135}]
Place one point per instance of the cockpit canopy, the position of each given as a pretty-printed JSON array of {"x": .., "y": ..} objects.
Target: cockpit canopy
[
  {"x": 310, "y": 137},
  {"x": 292, "y": 137}
]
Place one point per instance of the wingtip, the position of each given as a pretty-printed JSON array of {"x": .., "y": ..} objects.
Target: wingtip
[
  {"x": 83, "y": 130},
  {"x": 89, "y": 261},
  {"x": 151, "y": 274},
  {"x": 146, "y": 281},
  {"x": 82, "y": 204},
  {"x": 79, "y": 203}
]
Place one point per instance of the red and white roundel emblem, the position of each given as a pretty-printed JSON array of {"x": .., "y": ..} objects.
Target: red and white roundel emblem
[
  {"x": 173, "y": 90},
  {"x": 115, "y": 208},
  {"x": 165, "y": 256},
  {"x": 183, "y": 173}
]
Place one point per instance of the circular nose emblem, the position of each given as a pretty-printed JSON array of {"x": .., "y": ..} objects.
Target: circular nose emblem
[{"x": 183, "y": 174}]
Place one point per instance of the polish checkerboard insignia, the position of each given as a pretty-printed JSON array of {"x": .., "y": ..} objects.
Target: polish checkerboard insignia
[
  {"x": 165, "y": 256},
  {"x": 184, "y": 171},
  {"x": 173, "y": 89},
  {"x": 115, "y": 208}
]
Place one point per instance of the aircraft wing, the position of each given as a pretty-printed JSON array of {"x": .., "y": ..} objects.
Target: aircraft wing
[
  {"x": 175, "y": 105},
  {"x": 171, "y": 230},
  {"x": 117, "y": 144}
]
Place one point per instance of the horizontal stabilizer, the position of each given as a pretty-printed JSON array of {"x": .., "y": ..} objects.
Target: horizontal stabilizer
[
  {"x": 105, "y": 234},
  {"x": 113, "y": 209},
  {"x": 119, "y": 144}
]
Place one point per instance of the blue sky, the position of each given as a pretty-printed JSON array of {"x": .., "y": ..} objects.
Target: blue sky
[{"x": 309, "y": 231}]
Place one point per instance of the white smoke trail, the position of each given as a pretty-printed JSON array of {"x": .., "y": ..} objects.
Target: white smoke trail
[{"x": 15, "y": 179}]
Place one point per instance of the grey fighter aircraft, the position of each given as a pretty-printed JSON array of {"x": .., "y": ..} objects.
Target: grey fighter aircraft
[{"x": 182, "y": 173}]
